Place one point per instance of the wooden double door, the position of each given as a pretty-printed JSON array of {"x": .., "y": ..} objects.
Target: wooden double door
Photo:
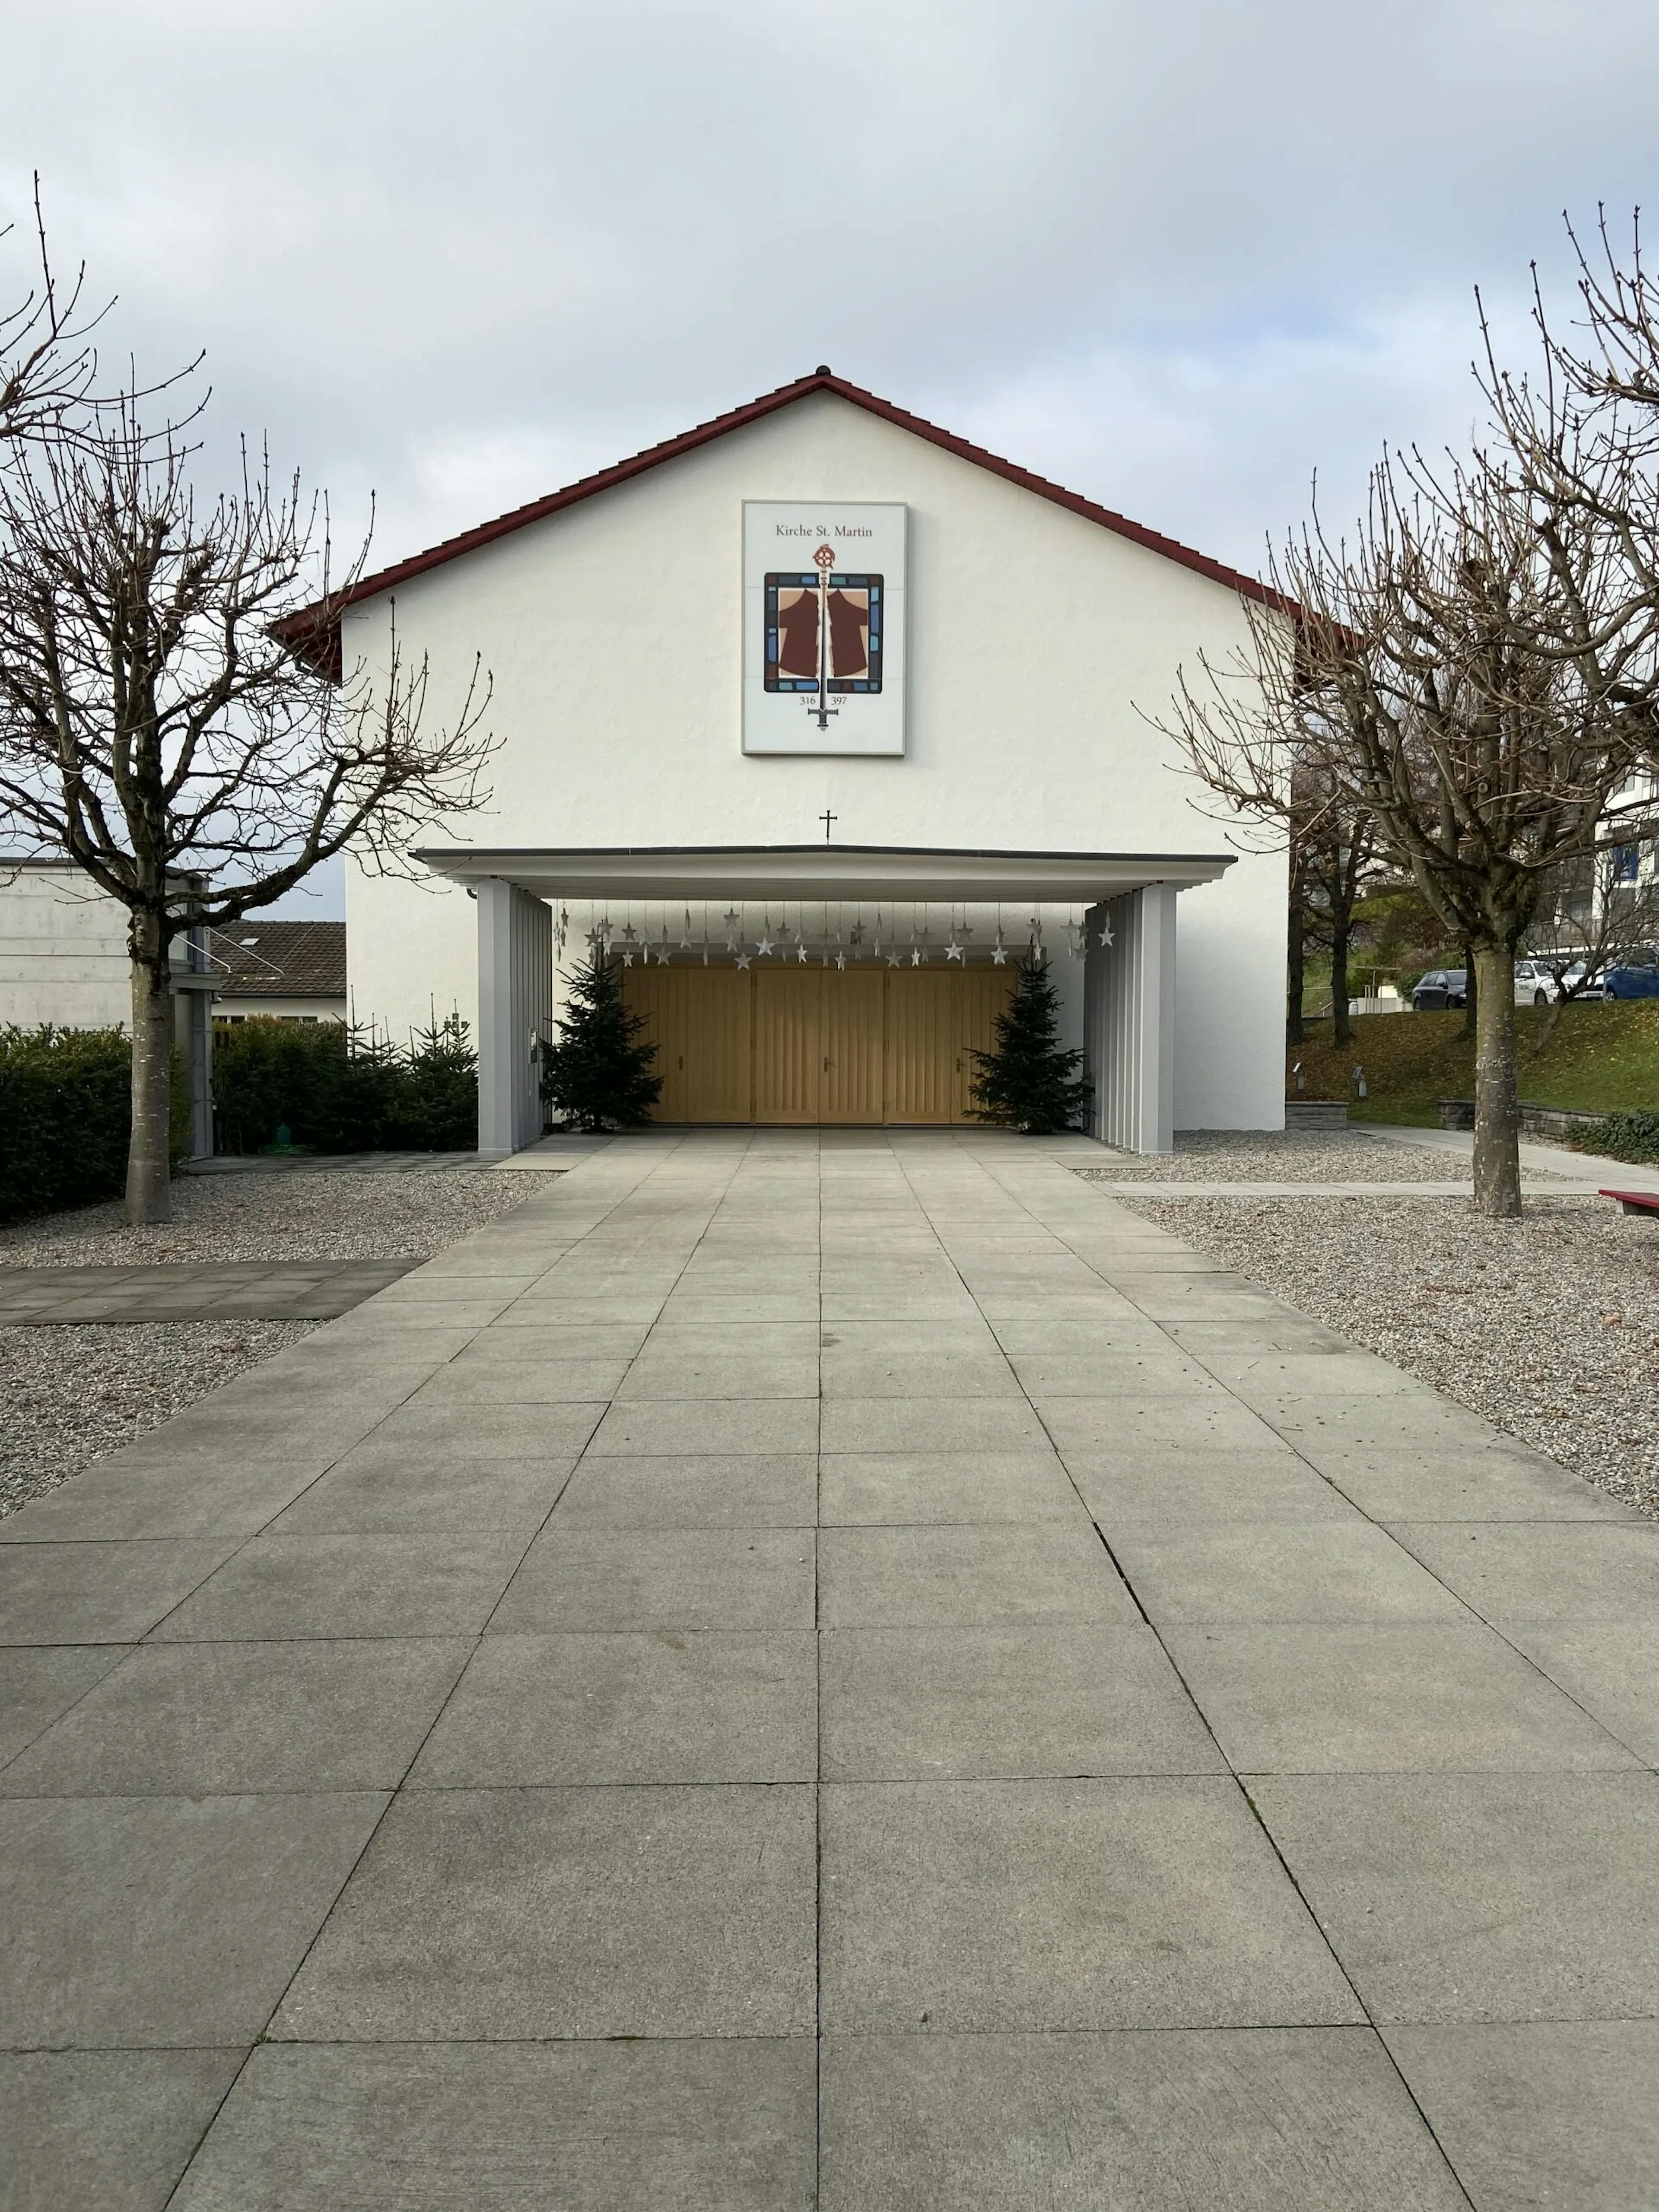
[{"x": 803, "y": 1045}]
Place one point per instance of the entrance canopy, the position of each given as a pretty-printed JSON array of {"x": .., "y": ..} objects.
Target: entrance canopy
[
  {"x": 1126, "y": 939},
  {"x": 822, "y": 871}
]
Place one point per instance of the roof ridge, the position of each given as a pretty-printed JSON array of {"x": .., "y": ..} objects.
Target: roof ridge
[{"x": 313, "y": 631}]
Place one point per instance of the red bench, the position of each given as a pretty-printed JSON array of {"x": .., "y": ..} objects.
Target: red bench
[{"x": 1633, "y": 1201}]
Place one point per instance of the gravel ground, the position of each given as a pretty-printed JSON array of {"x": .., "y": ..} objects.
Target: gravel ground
[
  {"x": 1285, "y": 1155},
  {"x": 73, "y": 1395},
  {"x": 1549, "y": 1325},
  {"x": 335, "y": 1213}
]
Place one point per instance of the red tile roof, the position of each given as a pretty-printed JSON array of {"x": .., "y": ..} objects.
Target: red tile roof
[
  {"x": 314, "y": 631},
  {"x": 279, "y": 959}
]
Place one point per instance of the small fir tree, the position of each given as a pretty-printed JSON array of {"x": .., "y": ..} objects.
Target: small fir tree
[
  {"x": 1031, "y": 1081},
  {"x": 597, "y": 1073}
]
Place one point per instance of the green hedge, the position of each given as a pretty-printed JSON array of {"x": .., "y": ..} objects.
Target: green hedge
[
  {"x": 66, "y": 1115},
  {"x": 336, "y": 1089}
]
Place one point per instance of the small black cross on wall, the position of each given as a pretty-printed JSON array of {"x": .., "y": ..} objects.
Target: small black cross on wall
[{"x": 826, "y": 818}]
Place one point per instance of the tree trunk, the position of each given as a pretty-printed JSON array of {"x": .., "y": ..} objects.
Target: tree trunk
[
  {"x": 1294, "y": 972},
  {"x": 1341, "y": 1029},
  {"x": 149, "y": 1187},
  {"x": 1496, "y": 1113},
  {"x": 1471, "y": 994}
]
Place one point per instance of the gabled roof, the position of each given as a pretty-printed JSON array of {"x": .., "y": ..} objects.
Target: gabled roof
[
  {"x": 279, "y": 959},
  {"x": 314, "y": 631}
]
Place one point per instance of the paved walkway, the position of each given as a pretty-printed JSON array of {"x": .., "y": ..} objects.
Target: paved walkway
[
  {"x": 851, "y": 1664},
  {"x": 195, "y": 1290}
]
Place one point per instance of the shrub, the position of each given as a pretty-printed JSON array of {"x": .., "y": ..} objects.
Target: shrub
[
  {"x": 66, "y": 1117},
  {"x": 338, "y": 1088},
  {"x": 1632, "y": 1136}
]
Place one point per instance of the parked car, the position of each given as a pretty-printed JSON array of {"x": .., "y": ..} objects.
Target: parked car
[
  {"x": 1637, "y": 977},
  {"x": 1440, "y": 987},
  {"x": 1534, "y": 983}
]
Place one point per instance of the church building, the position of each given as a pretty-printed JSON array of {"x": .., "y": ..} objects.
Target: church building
[{"x": 820, "y": 719}]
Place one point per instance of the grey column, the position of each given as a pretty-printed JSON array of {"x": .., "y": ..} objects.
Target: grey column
[
  {"x": 1129, "y": 1034},
  {"x": 515, "y": 988}
]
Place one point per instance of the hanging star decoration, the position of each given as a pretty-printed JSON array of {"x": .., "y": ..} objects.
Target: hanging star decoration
[
  {"x": 915, "y": 957},
  {"x": 954, "y": 951},
  {"x": 1106, "y": 932},
  {"x": 685, "y": 939},
  {"x": 893, "y": 960},
  {"x": 628, "y": 933},
  {"x": 763, "y": 946},
  {"x": 841, "y": 960},
  {"x": 800, "y": 951},
  {"x": 998, "y": 954},
  {"x": 742, "y": 959},
  {"x": 730, "y": 917},
  {"x": 662, "y": 956},
  {"x": 855, "y": 935},
  {"x": 628, "y": 960}
]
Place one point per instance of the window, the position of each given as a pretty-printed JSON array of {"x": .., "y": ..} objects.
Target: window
[{"x": 1626, "y": 863}]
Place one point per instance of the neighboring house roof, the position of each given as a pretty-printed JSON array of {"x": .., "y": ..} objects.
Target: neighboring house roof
[
  {"x": 314, "y": 632},
  {"x": 279, "y": 959}
]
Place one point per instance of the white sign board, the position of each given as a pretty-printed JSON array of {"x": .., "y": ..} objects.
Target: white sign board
[{"x": 823, "y": 627}]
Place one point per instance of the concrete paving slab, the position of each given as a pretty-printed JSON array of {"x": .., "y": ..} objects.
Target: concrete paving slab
[
  {"x": 679, "y": 1425},
  {"x": 390, "y": 1490},
  {"x": 1501, "y": 1480},
  {"x": 1468, "y": 1897},
  {"x": 738, "y": 1372},
  {"x": 104, "y": 2130},
  {"x": 1550, "y": 2114},
  {"x": 163, "y": 1921},
  {"x": 986, "y": 1907},
  {"x": 997, "y": 1574},
  {"x": 200, "y": 1719},
  {"x": 702, "y": 2126},
  {"x": 97, "y": 1593},
  {"x": 1186, "y": 1488},
  {"x": 903, "y": 1488},
  {"x": 666, "y": 1707},
  {"x": 38, "y": 1685},
  {"x": 305, "y": 1586},
  {"x": 584, "y": 1912},
  {"x": 598, "y": 1578},
  {"x": 1333, "y": 1570},
  {"x": 1374, "y": 1697},
  {"x": 907, "y": 1424},
  {"x": 740, "y": 1490},
  {"x": 1544, "y": 1571},
  {"x": 901, "y": 1372},
  {"x": 1611, "y": 1668},
  {"x": 513, "y": 1431},
  {"x": 1267, "y": 2120},
  {"x": 1191, "y": 1422},
  {"x": 933, "y": 1704},
  {"x": 540, "y": 1381}
]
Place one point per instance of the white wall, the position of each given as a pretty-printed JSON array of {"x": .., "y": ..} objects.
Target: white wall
[
  {"x": 62, "y": 951},
  {"x": 613, "y": 631}
]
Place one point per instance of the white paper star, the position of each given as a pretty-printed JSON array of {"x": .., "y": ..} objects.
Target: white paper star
[
  {"x": 998, "y": 954},
  {"x": 915, "y": 957},
  {"x": 628, "y": 960},
  {"x": 800, "y": 953},
  {"x": 954, "y": 951},
  {"x": 1106, "y": 932},
  {"x": 662, "y": 956},
  {"x": 730, "y": 917},
  {"x": 763, "y": 946},
  {"x": 841, "y": 960},
  {"x": 742, "y": 959}
]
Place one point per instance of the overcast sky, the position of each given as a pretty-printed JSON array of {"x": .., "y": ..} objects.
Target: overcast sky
[{"x": 1177, "y": 254}]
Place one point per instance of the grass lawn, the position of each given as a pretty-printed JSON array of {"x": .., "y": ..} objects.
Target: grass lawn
[{"x": 1603, "y": 1057}]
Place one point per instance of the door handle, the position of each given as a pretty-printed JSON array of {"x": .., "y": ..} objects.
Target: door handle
[{"x": 826, "y": 1067}]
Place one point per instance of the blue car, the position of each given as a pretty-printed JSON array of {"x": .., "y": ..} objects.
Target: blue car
[{"x": 1635, "y": 978}]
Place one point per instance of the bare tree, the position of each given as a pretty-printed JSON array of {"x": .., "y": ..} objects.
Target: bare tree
[
  {"x": 48, "y": 382},
  {"x": 1465, "y": 672},
  {"x": 168, "y": 720}
]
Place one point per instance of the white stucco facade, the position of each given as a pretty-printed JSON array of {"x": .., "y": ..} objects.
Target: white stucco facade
[{"x": 1038, "y": 643}]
